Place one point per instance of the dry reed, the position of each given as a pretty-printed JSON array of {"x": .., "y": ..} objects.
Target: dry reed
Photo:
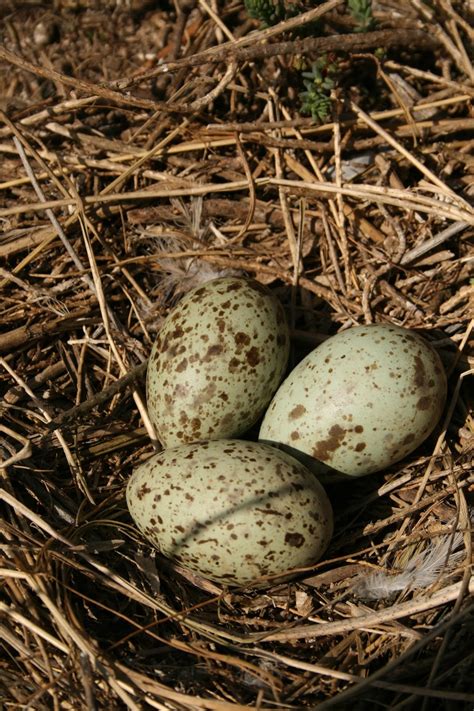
[{"x": 147, "y": 147}]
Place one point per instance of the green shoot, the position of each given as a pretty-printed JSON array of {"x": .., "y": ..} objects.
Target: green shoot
[
  {"x": 268, "y": 12},
  {"x": 316, "y": 100},
  {"x": 361, "y": 11}
]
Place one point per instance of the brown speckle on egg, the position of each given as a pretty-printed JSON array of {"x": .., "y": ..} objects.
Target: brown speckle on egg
[
  {"x": 233, "y": 533},
  {"x": 297, "y": 411},
  {"x": 241, "y": 339},
  {"x": 294, "y": 539},
  {"x": 424, "y": 403},
  {"x": 388, "y": 380},
  {"x": 323, "y": 449},
  {"x": 420, "y": 372},
  {"x": 182, "y": 366},
  {"x": 223, "y": 332},
  {"x": 253, "y": 356}
]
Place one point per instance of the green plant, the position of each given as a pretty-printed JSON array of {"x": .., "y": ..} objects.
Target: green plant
[
  {"x": 318, "y": 83},
  {"x": 361, "y": 11},
  {"x": 269, "y": 12},
  {"x": 316, "y": 100}
]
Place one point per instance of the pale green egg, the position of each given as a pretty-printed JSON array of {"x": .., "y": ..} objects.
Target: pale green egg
[
  {"x": 230, "y": 510},
  {"x": 361, "y": 401},
  {"x": 217, "y": 361}
]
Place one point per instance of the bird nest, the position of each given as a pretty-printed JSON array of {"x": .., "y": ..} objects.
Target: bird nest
[{"x": 146, "y": 148}]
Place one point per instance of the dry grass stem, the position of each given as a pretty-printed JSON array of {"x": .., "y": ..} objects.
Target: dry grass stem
[{"x": 147, "y": 148}]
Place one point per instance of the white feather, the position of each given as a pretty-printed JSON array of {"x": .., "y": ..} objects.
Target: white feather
[{"x": 421, "y": 570}]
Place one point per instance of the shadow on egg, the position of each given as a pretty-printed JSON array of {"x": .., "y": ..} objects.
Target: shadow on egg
[
  {"x": 324, "y": 473},
  {"x": 231, "y": 511},
  {"x": 250, "y": 504},
  {"x": 213, "y": 531}
]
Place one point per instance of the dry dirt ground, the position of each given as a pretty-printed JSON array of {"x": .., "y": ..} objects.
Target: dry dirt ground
[{"x": 147, "y": 147}]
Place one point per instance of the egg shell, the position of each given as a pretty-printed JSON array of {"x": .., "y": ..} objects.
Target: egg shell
[
  {"x": 360, "y": 402},
  {"x": 217, "y": 361},
  {"x": 231, "y": 510}
]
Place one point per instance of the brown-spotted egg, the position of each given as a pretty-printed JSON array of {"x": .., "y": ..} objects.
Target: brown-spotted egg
[
  {"x": 359, "y": 402},
  {"x": 217, "y": 361},
  {"x": 232, "y": 511}
]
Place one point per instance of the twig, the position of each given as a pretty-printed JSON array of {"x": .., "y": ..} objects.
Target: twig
[
  {"x": 344, "y": 676},
  {"x": 251, "y": 39},
  {"x": 52, "y": 217},
  {"x": 345, "y": 43},
  {"x": 409, "y": 156},
  {"x": 85, "y": 86},
  {"x": 108, "y": 319},
  {"x": 16, "y": 338},
  {"x": 204, "y": 101},
  {"x": 413, "y": 254},
  {"x": 77, "y": 412},
  {"x": 371, "y": 619},
  {"x": 24, "y": 452},
  {"x": 390, "y": 196},
  {"x": 363, "y": 684},
  {"x": 386, "y": 195},
  {"x": 73, "y": 464}
]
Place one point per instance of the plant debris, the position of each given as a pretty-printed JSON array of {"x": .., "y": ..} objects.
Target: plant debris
[{"x": 147, "y": 147}]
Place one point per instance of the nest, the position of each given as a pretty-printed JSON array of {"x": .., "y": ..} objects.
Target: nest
[{"x": 149, "y": 147}]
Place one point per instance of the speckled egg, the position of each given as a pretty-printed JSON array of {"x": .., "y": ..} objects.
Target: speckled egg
[
  {"x": 360, "y": 402},
  {"x": 230, "y": 510},
  {"x": 217, "y": 361}
]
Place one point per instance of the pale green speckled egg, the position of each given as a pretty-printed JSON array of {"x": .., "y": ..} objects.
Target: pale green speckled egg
[
  {"x": 359, "y": 402},
  {"x": 230, "y": 510},
  {"x": 217, "y": 361}
]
